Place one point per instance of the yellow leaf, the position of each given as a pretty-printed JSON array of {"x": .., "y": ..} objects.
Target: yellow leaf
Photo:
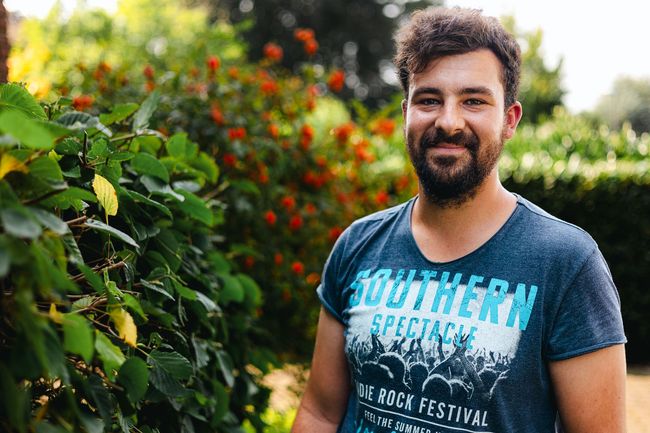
[
  {"x": 106, "y": 195},
  {"x": 8, "y": 164},
  {"x": 125, "y": 326},
  {"x": 55, "y": 315}
]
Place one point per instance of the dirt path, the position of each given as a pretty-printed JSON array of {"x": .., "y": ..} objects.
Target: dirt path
[{"x": 287, "y": 386}]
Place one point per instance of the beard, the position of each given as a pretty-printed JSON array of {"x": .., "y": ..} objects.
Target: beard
[{"x": 450, "y": 181}]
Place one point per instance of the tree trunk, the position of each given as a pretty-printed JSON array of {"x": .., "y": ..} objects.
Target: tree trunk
[{"x": 4, "y": 43}]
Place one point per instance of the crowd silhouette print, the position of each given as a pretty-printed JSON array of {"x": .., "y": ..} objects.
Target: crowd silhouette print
[{"x": 458, "y": 378}]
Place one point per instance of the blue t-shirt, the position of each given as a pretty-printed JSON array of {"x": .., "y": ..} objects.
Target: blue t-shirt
[{"x": 463, "y": 346}]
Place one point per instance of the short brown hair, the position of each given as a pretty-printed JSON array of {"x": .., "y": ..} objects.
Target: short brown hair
[{"x": 436, "y": 32}]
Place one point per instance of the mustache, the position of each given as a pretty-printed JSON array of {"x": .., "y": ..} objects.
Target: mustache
[{"x": 436, "y": 136}]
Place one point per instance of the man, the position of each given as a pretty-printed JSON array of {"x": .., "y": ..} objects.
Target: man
[{"x": 466, "y": 309}]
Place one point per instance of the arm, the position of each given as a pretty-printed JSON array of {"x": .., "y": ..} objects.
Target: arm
[
  {"x": 326, "y": 396},
  {"x": 590, "y": 391}
]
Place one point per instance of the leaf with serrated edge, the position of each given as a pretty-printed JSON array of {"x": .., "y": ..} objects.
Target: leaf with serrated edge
[{"x": 106, "y": 195}]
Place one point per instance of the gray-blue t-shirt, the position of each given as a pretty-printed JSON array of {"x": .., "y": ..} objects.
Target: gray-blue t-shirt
[{"x": 463, "y": 346}]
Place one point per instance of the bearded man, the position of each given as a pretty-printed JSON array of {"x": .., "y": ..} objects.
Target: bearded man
[{"x": 467, "y": 308}]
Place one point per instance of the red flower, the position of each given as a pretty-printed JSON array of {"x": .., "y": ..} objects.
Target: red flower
[
  {"x": 273, "y": 130},
  {"x": 335, "y": 232},
  {"x": 303, "y": 35},
  {"x": 229, "y": 159},
  {"x": 288, "y": 202},
  {"x": 213, "y": 63},
  {"x": 311, "y": 47},
  {"x": 381, "y": 198},
  {"x": 217, "y": 115},
  {"x": 298, "y": 268},
  {"x": 82, "y": 102},
  {"x": 148, "y": 72},
  {"x": 343, "y": 132},
  {"x": 336, "y": 81},
  {"x": 384, "y": 127},
  {"x": 236, "y": 133},
  {"x": 295, "y": 222},
  {"x": 278, "y": 258},
  {"x": 269, "y": 87},
  {"x": 273, "y": 52},
  {"x": 270, "y": 217},
  {"x": 310, "y": 208},
  {"x": 306, "y": 136}
]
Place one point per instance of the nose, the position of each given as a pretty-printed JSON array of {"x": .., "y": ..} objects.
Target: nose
[{"x": 450, "y": 119}]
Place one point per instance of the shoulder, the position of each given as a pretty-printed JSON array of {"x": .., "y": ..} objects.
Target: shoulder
[{"x": 551, "y": 235}]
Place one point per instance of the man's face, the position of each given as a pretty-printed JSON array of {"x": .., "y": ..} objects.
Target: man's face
[{"x": 456, "y": 124}]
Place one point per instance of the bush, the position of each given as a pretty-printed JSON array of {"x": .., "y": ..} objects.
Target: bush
[{"x": 120, "y": 307}]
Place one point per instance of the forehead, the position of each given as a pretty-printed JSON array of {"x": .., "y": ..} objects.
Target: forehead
[{"x": 480, "y": 68}]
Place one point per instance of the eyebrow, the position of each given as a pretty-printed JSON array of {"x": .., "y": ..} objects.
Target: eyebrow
[{"x": 481, "y": 90}]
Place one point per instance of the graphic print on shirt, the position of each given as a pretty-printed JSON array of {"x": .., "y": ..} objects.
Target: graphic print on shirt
[{"x": 428, "y": 349}]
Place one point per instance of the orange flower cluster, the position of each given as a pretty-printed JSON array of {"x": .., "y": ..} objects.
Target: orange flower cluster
[
  {"x": 336, "y": 80},
  {"x": 269, "y": 87},
  {"x": 217, "y": 115},
  {"x": 273, "y": 52},
  {"x": 82, "y": 102},
  {"x": 309, "y": 43},
  {"x": 306, "y": 136},
  {"x": 384, "y": 127},
  {"x": 343, "y": 132}
]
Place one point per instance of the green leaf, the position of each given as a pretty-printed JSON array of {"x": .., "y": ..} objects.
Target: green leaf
[
  {"x": 146, "y": 110},
  {"x": 134, "y": 305},
  {"x": 45, "y": 168},
  {"x": 78, "y": 336},
  {"x": 98, "y": 225},
  {"x": 16, "y": 97},
  {"x": 223, "y": 401},
  {"x": 5, "y": 258},
  {"x": 68, "y": 146},
  {"x": 252, "y": 291},
  {"x": 139, "y": 198},
  {"x": 93, "y": 279},
  {"x": 74, "y": 193},
  {"x": 28, "y": 131},
  {"x": 206, "y": 165},
  {"x": 118, "y": 113},
  {"x": 245, "y": 186},
  {"x": 110, "y": 355},
  {"x": 176, "y": 145},
  {"x": 101, "y": 397},
  {"x": 165, "y": 382},
  {"x": 195, "y": 207},
  {"x": 144, "y": 163},
  {"x": 173, "y": 363},
  {"x": 226, "y": 365},
  {"x": 134, "y": 376},
  {"x": 79, "y": 121},
  {"x": 18, "y": 222},
  {"x": 50, "y": 221},
  {"x": 158, "y": 288},
  {"x": 232, "y": 289}
]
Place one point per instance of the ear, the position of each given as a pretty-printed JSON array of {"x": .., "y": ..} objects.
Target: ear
[{"x": 512, "y": 118}]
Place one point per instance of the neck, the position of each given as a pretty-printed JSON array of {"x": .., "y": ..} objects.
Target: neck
[{"x": 446, "y": 233}]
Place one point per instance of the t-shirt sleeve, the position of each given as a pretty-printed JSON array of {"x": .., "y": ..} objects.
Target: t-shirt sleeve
[
  {"x": 329, "y": 290},
  {"x": 589, "y": 315}
]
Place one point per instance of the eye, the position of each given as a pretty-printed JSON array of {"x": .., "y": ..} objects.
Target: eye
[
  {"x": 429, "y": 101},
  {"x": 474, "y": 101}
]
